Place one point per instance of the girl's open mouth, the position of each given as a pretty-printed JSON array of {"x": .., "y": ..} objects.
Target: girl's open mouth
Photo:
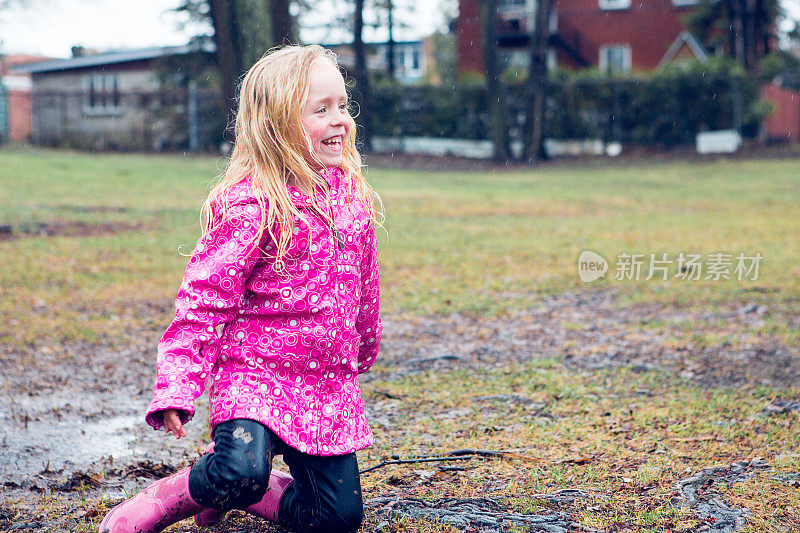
[{"x": 334, "y": 143}]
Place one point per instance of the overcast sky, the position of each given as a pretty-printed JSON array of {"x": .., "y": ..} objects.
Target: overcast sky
[{"x": 52, "y": 27}]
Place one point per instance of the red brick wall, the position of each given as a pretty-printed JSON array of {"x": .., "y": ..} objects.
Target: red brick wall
[
  {"x": 469, "y": 44},
  {"x": 19, "y": 100},
  {"x": 19, "y": 115},
  {"x": 784, "y": 121},
  {"x": 648, "y": 26}
]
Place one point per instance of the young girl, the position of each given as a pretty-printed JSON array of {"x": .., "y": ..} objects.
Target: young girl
[{"x": 278, "y": 311}]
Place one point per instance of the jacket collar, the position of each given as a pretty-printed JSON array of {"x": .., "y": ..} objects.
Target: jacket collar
[{"x": 332, "y": 175}]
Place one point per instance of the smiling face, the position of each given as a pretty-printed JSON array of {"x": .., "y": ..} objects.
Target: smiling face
[{"x": 325, "y": 116}]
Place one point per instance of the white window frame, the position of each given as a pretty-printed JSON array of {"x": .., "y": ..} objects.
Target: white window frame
[
  {"x": 104, "y": 84},
  {"x": 405, "y": 61},
  {"x": 552, "y": 59},
  {"x": 609, "y": 5},
  {"x": 626, "y": 56},
  {"x": 415, "y": 55}
]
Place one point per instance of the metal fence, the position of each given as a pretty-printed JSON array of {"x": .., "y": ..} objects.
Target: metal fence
[
  {"x": 666, "y": 110},
  {"x": 178, "y": 119},
  {"x": 3, "y": 113}
]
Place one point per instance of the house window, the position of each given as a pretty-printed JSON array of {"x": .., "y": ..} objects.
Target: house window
[
  {"x": 682, "y": 3},
  {"x": 614, "y": 4},
  {"x": 615, "y": 58},
  {"x": 102, "y": 94}
]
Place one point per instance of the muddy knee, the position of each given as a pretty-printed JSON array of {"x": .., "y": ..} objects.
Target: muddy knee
[{"x": 230, "y": 480}]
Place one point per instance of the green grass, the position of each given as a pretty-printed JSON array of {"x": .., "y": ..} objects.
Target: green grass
[
  {"x": 600, "y": 434},
  {"x": 464, "y": 242},
  {"x": 487, "y": 243}
]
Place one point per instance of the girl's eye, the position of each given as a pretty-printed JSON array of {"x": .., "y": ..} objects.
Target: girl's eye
[
  {"x": 343, "y": 107},
  {"x": 321, "y": 110}
]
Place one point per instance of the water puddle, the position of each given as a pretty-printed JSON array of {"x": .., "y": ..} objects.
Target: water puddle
[{"x": 54, "y": 436}]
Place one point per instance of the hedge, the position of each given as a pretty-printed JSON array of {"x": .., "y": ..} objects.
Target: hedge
[{"x": 668, "y": 107}]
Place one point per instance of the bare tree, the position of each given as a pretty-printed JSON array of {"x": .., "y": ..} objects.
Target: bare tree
[
  {"x": 282, "y": 24},
  {"x": 243, "y": 31},
  {"x": 496, "y": 92},
  {"x": 745, "y": 29},
  {"x": 391, "y": 67},
  {"x": 394, "y": 11},
  {"x": 533, "y": 141},
  {"x": 362, "y": 76},
  {"x": 229, "y": 54}
]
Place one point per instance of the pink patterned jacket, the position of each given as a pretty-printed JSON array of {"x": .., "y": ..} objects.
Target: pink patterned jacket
[{"x": 284, "y": 349}]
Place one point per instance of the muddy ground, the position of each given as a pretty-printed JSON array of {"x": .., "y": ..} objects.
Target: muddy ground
[{"x": 67, "y": 414}]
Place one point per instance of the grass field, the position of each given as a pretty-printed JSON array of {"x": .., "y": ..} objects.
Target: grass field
[
  {"x": 90, "y": 241},
  {"x": 455, "y": 242}
]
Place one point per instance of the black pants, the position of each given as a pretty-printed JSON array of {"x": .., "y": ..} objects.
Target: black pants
[{"x": 325, "y": 495}]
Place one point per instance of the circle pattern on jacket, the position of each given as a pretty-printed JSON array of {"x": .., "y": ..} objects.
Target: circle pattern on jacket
[{"x": 280, "y": 346}]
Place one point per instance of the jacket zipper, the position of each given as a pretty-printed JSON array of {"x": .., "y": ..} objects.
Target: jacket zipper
[{"x": 337, "y": 236}]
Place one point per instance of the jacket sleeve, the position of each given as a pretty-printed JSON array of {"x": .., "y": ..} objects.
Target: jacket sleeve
[
  {"x": 368, "y": 323},
  {"x": 208, "y": 298}
]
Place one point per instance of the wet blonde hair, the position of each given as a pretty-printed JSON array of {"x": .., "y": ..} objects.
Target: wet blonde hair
[{"x": 272, "y": 147}]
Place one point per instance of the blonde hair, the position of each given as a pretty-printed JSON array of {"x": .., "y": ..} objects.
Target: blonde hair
[{"x": 272, "y": 147}]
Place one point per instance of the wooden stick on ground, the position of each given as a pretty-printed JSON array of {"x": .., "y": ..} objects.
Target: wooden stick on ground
[{"x": 455, "y": 455}]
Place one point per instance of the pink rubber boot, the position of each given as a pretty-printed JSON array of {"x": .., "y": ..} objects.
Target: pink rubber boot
[
  {"x": 269, "y": 504},
  {"x": 208, "y": 516},
  {"x": 161, "y": 504},
  {"x": 266, "y": 508}
]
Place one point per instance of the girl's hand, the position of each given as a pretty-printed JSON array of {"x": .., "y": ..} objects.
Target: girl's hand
[{"x": 172, "y": 423}]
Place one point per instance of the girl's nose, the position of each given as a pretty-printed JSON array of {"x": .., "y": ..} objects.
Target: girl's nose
[{"x": 337, "y": 119}]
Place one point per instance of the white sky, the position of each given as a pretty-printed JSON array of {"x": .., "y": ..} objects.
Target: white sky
[{"x": 52, "y": 27}]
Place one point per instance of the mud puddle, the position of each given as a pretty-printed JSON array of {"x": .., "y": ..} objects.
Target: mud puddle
[
  {"x": 66, "y": 228},
  {"x": 47, "y": 442}
]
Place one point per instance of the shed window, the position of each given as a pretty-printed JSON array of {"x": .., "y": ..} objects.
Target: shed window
[{"x": 102, "y": 93}]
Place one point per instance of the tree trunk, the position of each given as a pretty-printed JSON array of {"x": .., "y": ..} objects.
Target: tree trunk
[
  {"x": 749, "y": 23},
  {"x": 391, "y": 67},
  {"x": 537, "y": 84},
  {"x": 362, "y": 76},
  {"x": 736, "y": 30},
  {"x": 495, "y": 90},
  {"x": 282, "y": 30},
  {"x": 763, "y": 26},
  {"x": 730, "y": 7},
  {"x": 223, "y": 18}
]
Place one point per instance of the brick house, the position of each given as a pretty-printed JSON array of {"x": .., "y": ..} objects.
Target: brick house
[
  {"x": 15, "y": 98},
  {"x": 620, "y": 35}
]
